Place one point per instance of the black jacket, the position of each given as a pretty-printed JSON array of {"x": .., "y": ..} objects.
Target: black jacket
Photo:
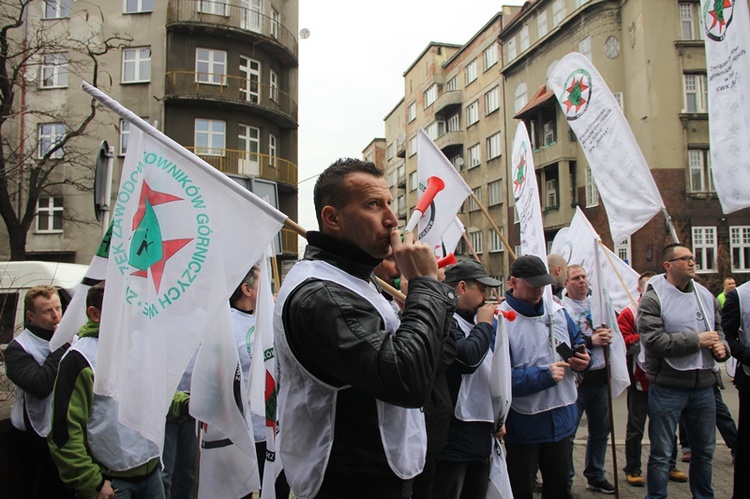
[
  {"x": 731, "y": 322},
  {"x": 339, "y": 337}
]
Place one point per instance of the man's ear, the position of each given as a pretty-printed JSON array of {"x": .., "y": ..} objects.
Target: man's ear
[
  {"x": 329, "y": 215},
  {"x": 94, "y": 314}
]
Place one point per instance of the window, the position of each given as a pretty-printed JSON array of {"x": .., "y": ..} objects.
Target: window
[
  {"x": 581, "y": 2},
  {"x": 430, "y": 95},
  {"x": 622, "y": 249},
  {"x": 457, "y": 162},
  {"x": 490, "y": 56},
  {"x": 210, "y": 66},
  {"x": 701, "y": 176},
  {"x": 550, "y": 193},
  {"x": 49, "y": 215},
  {"x": 275, "y": 22},
  {"x": 496, "y": 244},
  {"x": 558, "y": 12},
  {"x": 272, "y": 150},
  {"x": 135, "y": 6},
  {"x": 54, "y": 71},
  {"x": 518, "y": 250},
  {"x": 454, "y": 123},
  {"x": 475, "y": 156},
  {"x": 124, "y": 136},
  {"x": 215, "y": 7},
  {"x": 584, "y": 47},
  {"x": 475, "y": 237},
  {"x": 472, "y": 113},
  {"x": 688, "y": 27},
  {"x": 592, "y": 193},
  {"x": 413, "y": 183},
  {"x": 435, "y": 129},
  {"x": 493, "y": 146},
  {"x": 704, "y": 248},
  {"x": 51, "y": 134},
  {"x": 511, "y": 49},
  {"x": 542, "y": 26},
  {"x": 476, "y": 199},
  {"x": 470, "y": 72},
  {"x": 136, "y": 65},
  {"x": 548, "y": 132},
  {"x": 389, "y": 151},
  {"x": 248, "y": 142},
  {"x": 250, "y": 71},
  {"x": 413, "y": 146},
  {"x": 618, "y": 98},
  {"x": 495, "y": 192},
  {"x": 696, "y": 93},
  {"x": 519, "y": 97},
  {"x": 56, "y": 9},
  {"x": 516, "y": 218},
  {"x": 492, "y": 100},
  {"x": 739, "y": 240},
  {"x": 250, "y": 15},
  {"x": 524, "y": 38},
  {"x": 452, "y": 84},
  {"x": 412, "y": 111},
  {"x": 210, "y": 137},
  {"x": 274, "y": 86},
  {"x": 401, "y": 204}
]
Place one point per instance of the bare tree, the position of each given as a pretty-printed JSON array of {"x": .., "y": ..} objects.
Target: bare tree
[{"x": 32, "y": 51}]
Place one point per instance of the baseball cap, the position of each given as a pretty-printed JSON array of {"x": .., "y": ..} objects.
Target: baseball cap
[
  {"x": 532, "y": 269},
  {"x": 469, "y": 270}
]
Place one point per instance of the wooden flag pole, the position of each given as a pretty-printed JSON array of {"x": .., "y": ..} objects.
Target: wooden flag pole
[
  {"x": 611, "y": 421},
  {"x": 294, "y": 226},
  {"x": 494, "y": 226}
]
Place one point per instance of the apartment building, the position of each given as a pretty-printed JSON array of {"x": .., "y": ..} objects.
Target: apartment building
[{"x": 218, "y": 77}]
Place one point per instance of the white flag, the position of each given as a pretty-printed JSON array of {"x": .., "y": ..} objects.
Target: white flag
[
  {"x": 440, "y": 215},
  {"x": 228, "y": 464},
  {"x": 183, "y": 236},
  {"x": 727, "y": 37},
  {"x": 75, "y": 314},
  {"x": 501, "y": 390},
  {"x": 526, "y": 196},
  {"x": 622, "y": 176}
]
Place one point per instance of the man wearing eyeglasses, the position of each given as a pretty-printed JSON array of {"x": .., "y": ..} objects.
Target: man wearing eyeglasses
[{"x": 681, "y": 341}]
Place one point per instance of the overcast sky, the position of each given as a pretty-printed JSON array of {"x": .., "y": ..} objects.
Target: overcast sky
[{"x": 351, "y": 71}]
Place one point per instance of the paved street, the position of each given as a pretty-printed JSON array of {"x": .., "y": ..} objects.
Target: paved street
[{"x": 723, "y": 470}]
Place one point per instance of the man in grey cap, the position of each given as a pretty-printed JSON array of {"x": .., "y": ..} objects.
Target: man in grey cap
[
  {"x": 462, "y": 467},
  {"x": 546, "y": 347}
]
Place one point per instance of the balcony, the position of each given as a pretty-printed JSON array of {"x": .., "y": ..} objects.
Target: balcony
[
  {"x": 448, "y": 101},
  {"x": 249, "y": 163},
  {"x": 258, "y": 29},
  {"x": 289, "y": 242},
  {"x": 264, "y": 99},
  {"x": 449, "y": 139},
  {"x": 401, "y": 146}
]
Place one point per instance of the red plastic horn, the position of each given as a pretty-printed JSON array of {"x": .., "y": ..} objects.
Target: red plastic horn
[
  {"x": 510, "y": 315},
  {"x": 434, "y": 185},
  {"x": 450, "y": 259}
]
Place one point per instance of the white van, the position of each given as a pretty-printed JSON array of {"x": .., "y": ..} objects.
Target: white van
[{"x": 15, "y": 280}]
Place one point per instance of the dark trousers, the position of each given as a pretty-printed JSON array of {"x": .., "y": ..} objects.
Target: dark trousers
[
  {"x": 461, "y": 479},
  {"x": 742, "y": 451},
  {"x": 553, "y": 460},
  {"x": 637, "y": 414}
]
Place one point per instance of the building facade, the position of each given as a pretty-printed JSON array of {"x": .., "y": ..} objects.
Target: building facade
[{"x": 218, "y": 77}]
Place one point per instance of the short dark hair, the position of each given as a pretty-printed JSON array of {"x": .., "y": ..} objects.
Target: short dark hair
[
  {"x": 668, "y": 251},
  {"x": 330, "y": 188},
  {"x": 645, "y": 277},
  {"x": 249, "y": 280},
  {"x": 95, "y": 296}
]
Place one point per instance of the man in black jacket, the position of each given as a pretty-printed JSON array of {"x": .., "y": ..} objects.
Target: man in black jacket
[{"x": 353, "y": 376}]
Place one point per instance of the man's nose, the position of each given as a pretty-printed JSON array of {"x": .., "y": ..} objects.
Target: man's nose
[{"x": 390, "y": 219}]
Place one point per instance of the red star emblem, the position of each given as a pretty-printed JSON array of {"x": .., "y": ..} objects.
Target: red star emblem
[
  {"x": 575, "y": 95},
  {"x": 723, "y": 21}
]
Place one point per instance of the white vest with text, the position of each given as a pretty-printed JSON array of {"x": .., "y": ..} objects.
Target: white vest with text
[
  {"x": 474, "y": 402},
  {"x": 37, "y": 409},
  {"x": 580, "y": 312}
]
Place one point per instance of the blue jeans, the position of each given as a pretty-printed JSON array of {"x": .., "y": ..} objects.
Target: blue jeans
[
  {"x": 150, "y": 487},
  {"x": 178, "y": 457},
  {"x": 592, "y": 398},
  {"x": 698, "y": 409}
]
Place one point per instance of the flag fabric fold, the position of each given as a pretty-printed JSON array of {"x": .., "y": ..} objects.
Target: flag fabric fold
[
  {"x": 627, "y": 188},
  {"x": 726, "y": 26},
  {"x": 183, "y": 236},
  {"x": 501, "y": 390},
  {"x": 526, "y": 196},
  {"x": 440, "y": 215}
]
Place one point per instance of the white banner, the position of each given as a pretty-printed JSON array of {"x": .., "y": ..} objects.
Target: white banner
[
  {"x": 526, "y": 196},
  {"x": 726, "y": 26},
  {"x": 501, "y": 390},
  {"x": 622, "y": 176},
  {"x": 440, "y": 216}
]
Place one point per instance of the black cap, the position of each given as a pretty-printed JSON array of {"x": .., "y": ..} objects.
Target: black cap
[
  {"x": 532, "y": 269},
  {"x": 469, "y": 270}
]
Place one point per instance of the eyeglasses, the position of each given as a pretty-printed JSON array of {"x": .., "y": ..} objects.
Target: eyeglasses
[{"x": 685, "y": 259}]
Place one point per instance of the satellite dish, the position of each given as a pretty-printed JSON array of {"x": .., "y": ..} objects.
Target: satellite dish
[{"x": 304, "y": 33}]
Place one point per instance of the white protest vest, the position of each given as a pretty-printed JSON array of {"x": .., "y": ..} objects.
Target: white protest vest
[
  {"x": 580, "y": 312},
  {"x": 743, "y": 293},
  {"x": 38, "y": 410},
  {"x": 531, "y": 344},
  {"x": 474, "y": 402},
  {"x": 307, "y": 405},
  {"x": 116, "y": 446},
  {"x": 681, "y": 312},
  {"x": 243, "y": 325}
]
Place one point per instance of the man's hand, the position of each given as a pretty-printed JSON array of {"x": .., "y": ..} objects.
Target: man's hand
[
  {"x": 580, "y": 360},
  {"x": 500, "y": 433},
  {"x": 602, "y": 337},
  {"x": 708, "y": 338},
  {"x": 107, "y": 491},
  {"x": 486, "y": 313},
  {"x": 718, "y": 350},
  {"x": 413, "y": 258},
  {"x": 557, "y": 370}
]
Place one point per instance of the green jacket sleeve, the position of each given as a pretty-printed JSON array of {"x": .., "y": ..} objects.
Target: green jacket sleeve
[{"x": 73, "y": 400}]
